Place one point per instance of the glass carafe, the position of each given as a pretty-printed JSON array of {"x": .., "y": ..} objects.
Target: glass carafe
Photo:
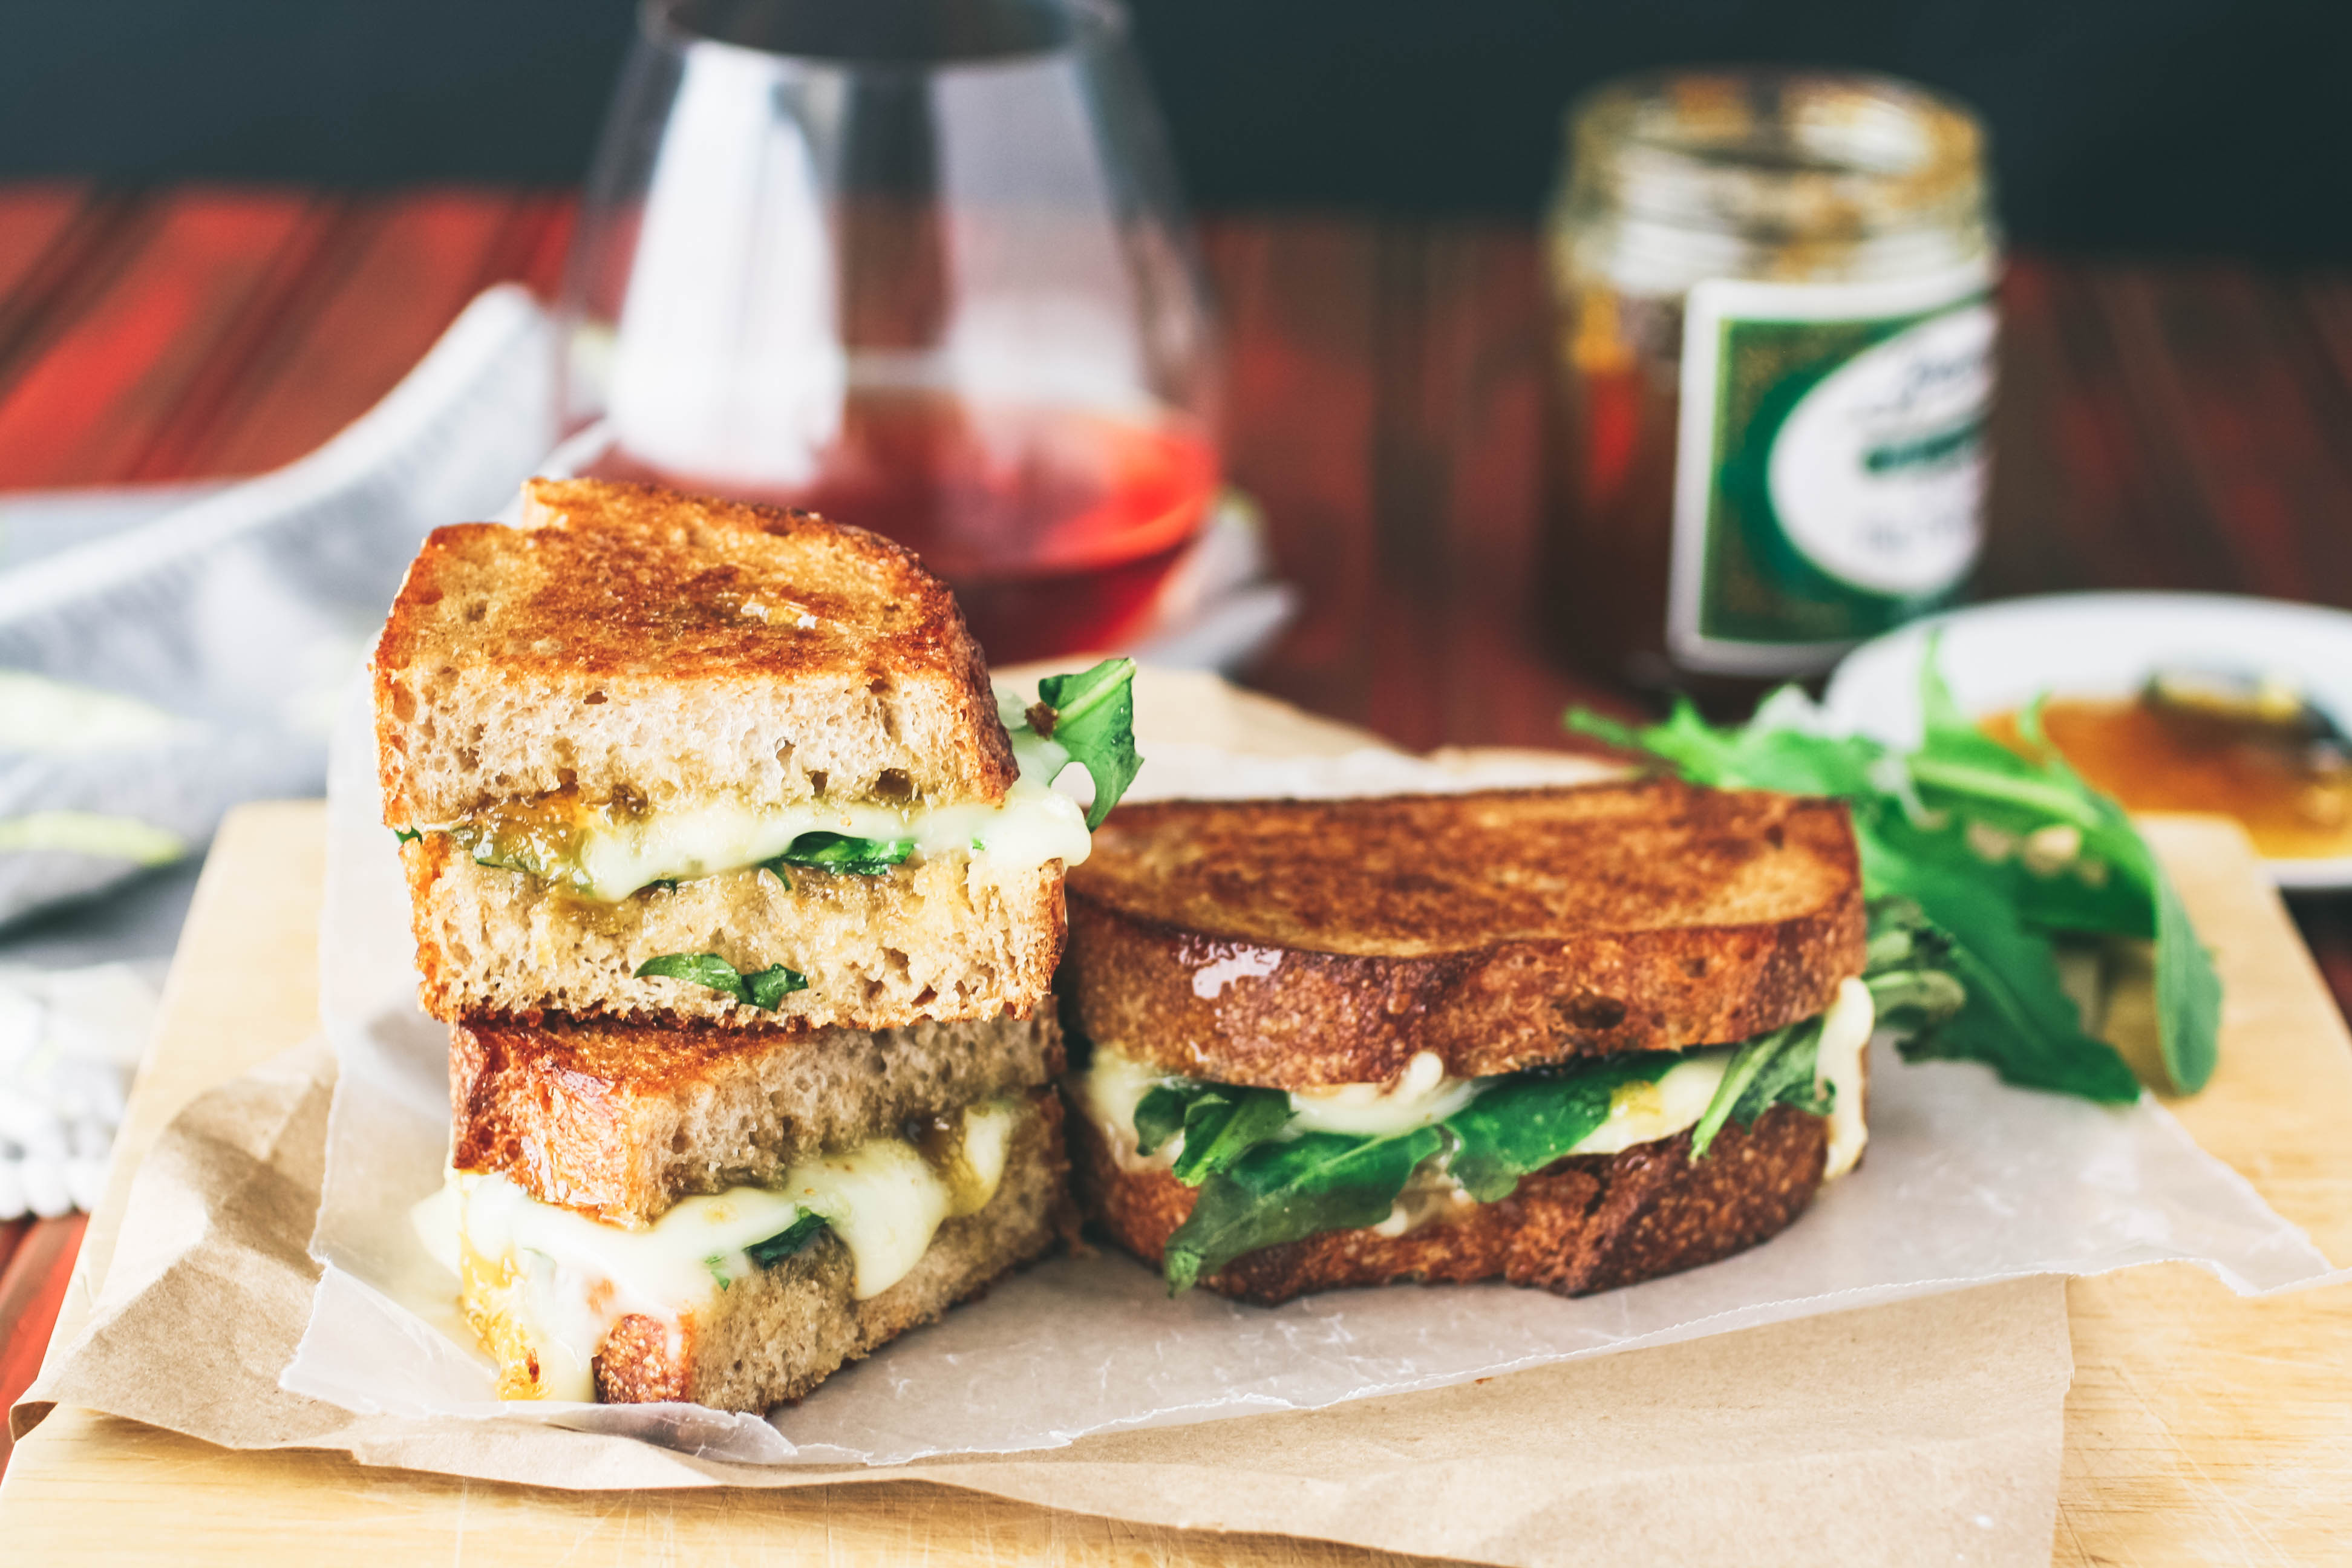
[{"x": 919, "y": 265}]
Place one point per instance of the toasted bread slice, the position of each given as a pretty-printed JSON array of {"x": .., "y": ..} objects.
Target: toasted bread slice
[
  {"x": 619, "y": 1121},
  {"x": 629, "y": 643},
  {"x": 1591, "y": 1222},
  {"x": 946, "y": 937},
  {"x": 1291, "y": 945},
  {"x": 776, "y": 1334}
]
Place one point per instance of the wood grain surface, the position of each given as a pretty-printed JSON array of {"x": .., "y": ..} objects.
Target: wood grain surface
[{"x": 2200, "y": 1428}]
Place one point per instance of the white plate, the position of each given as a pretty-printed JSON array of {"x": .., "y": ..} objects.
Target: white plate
[{"x": 2100, "y": 644}]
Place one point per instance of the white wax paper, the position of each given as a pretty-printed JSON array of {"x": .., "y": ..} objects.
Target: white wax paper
[{"x": 1965, "y": 1181}]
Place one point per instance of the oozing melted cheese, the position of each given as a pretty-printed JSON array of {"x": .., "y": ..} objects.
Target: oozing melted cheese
[
  {"x": 1417, "y": 1097},
  {"x": 568, "y": 1279},
  {"x": 605, "y": 855},
  {"x": 1110, "y": 1088},
  {"x": 1115, "y": 1084},
  {"x": 1639, "y": 1113},
  {"x": 1646, "y": 1112},
  {"x": 1845, "y": 1034}
]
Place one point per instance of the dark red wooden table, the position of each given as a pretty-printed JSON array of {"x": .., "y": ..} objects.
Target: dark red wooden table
[{"x": 2161, "y": 426}]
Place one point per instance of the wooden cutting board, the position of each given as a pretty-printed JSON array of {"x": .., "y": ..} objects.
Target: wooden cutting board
[{"x": 2201, "y": 1428}]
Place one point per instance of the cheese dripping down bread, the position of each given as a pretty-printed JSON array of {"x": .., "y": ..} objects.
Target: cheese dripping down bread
[
  {"x": 726, "y": 1216},
  {"x": 722, "y": 740},
  {"x": 1571, "y": 1038}
]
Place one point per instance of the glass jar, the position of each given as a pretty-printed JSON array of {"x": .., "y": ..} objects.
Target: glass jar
[{"x": 1773, "y": 368}]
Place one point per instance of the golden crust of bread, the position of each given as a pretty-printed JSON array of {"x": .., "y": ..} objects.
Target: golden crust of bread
[
  {"x": 1294, "y": 944},
  {"x": 1591, "y": 1222},
  {"x": 777, "y": 1335},
  {"x": 941, "y": 938},
  {"x": 620, "y": 1121},
  {"x": 516, "y": 662}
]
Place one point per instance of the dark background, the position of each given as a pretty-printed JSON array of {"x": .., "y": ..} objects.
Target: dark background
[{"x": 2178, "y": 126}]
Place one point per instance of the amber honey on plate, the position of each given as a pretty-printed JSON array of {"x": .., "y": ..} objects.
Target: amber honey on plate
[{"x": 2294, "y": 801}]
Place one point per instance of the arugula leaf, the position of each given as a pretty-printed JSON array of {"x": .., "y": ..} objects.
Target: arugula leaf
[
  {"x": 790, "y": 1242},
  {"x": 2017, "y": 1018},
  {"x": 762, "y": 988},
  {"x": 701, "y": 968},
  {"x": 2070, "y": 899},
  {"x": 2188, "y": 990},
  {"x": 1746, "y": 1069},
  {"x": 1091, "y": 716},
  {"x": 1745, "y": 1065},
  {"x": 1159, "y": 1115},
  {"x": 1529, "y": 1120},
  {"x": 1756, "y": 757},
  {"x": 1970, "y": 776},
  {"x": 840, "y": 852},
  {"x": 1992, "y": 849},
  {"x": 1790, "y": 1075},
  {"x": 1223, "y": 1126},
  {"x": 2187, "y": 993},
  {"x": 1908, "y": 969},
  {"x": 1289, "y": 1191},
  {"x": 1220, "y": 1122}
]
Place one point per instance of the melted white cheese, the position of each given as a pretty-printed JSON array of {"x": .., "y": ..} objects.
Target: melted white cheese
[
  {"x": 1417, "y": 1097},
  {"x": 1640, "y": 1112},
  {"x": 1116, "y": 1083},
  {"x": 579, "y": 1276},
  {"x": 1030, "y": 827},
  {"x": 1646, "y": 1111},
  {"x": 1033, "y": 826},
  {"x": 1845, "y": 1031},
  {"x": 1110, "y": 1088}
]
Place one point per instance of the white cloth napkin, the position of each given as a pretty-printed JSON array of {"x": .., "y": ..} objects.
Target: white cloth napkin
[{"x": 157, "y": 674}]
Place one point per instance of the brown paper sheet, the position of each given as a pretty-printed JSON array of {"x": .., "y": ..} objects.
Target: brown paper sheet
[{"x": 1927, "y": 1431}]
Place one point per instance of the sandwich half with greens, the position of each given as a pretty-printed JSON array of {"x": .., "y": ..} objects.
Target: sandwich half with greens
[
  {"x": 1572, "y": 1038},
  {"x": 740, "y": 893}
]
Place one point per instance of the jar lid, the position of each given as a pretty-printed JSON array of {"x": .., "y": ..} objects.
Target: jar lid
[{"x": 1792, "y": 155}]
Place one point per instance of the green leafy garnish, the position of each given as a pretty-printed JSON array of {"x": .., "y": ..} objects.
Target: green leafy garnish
[
  {"x": 2187, "y": 993},
  {"x": 1906, "y": 969},
  {"x": 1990, "y": 853},
  {"x": 1758, "y": 1069},
  {"x": 1220, "y": 1123},
  {"x": 790, "y": 1242},
  {"x": 840, "y": 852},
  {"x": 1262, "y": 1183},
  {"x": 1091, "y": 716},
  {"x": 407, "y": 835},
  {"x": 1286, "y": 1191},
  {"x": 1160, "y": 1114},
  {"x": 1527, "y": 1121},
  {"x": 762, "y": 988}
]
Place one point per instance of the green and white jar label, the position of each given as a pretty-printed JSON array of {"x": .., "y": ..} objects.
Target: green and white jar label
[{"x": 1829, "y": 466}]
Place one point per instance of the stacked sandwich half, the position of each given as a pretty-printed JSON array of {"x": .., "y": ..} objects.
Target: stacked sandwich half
[{"x": 741, "y": 912}]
